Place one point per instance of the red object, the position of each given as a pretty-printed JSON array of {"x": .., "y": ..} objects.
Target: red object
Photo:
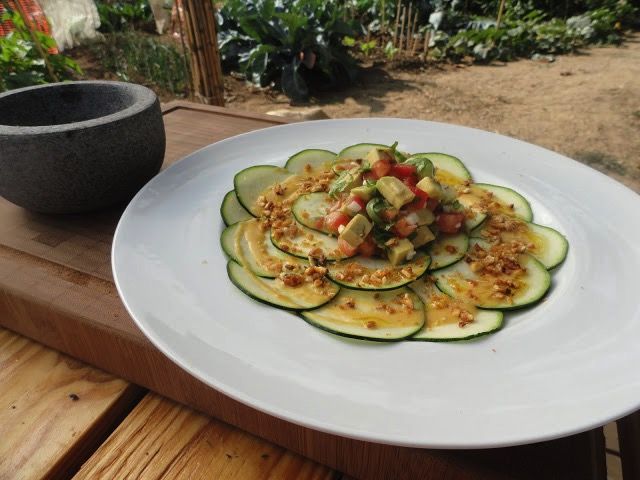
[
  {"x": 410, "y": 181},
  {"x": 389, "y": 214},
  {"x": 335, "y": 219},
  {"x": 403, "y": 228},
  {"x": 370, "y": 176},
  {"x": 381, "y": 168},
  {"x": 346, "y": 248},
  {"x": 358, "y": 200},
  {"x": 432, "y": 204},
  {"x": 32, "y": 14},
  {"x": 418, "y": 203},
  {"x": 450, "y": 222},
  {"x": 402, "y": 170},
  {"x": 368, "y": 247}
]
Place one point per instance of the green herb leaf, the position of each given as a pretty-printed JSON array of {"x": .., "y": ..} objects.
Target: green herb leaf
[{"x": 423, "y": 165}]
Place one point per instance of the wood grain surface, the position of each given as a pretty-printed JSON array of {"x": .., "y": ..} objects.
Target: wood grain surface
[
  {"x": 162, "y": 440},
  {"x": 56, "y": 287},
  {"x": 54, "y": 411}
]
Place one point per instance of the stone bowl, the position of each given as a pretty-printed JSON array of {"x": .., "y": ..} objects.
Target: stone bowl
[{"x": 78, "y": 146}]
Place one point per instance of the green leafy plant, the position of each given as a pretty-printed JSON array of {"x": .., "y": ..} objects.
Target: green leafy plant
[
  {"x": 21, "y": 62},
  {"x": 124, "y": 14},
  {"x": 135, "y": 56},
  {"x": 294, "y": 45}
]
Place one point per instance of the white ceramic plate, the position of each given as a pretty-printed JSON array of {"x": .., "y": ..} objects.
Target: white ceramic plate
[{"x": 564, "y": 366}]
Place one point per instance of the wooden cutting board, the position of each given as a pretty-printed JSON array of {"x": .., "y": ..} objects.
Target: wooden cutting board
[{"x": 56, "y": 287}]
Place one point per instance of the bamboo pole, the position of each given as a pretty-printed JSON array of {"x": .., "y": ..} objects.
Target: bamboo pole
[
  {"x": 395, "y": 28},
  {"x": 406, "y": 43},
  {"x": 413, "y": 32},
  {"x": 401, "y": 37},
  {"x": 206, "y": 69},
  {"x": 500, "y": 10},
  {"x": 427, "y": 39}
]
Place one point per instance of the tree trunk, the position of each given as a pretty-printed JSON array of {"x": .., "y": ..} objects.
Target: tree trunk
[{"x": 206, "y": 70}]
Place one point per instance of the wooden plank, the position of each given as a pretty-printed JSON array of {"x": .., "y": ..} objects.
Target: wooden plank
[
  {"x": 72, "y": 305},
  {"x": 160, "y": 439},
  {"x": 54, "y": 411},
  {"x": 629, "y": 439}
]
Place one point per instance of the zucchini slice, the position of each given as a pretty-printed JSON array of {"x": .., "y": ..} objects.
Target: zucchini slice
[
  {"x": 358, "y": 151},
  {"x": 317, "y": 159},
  {"x": 306, "y": 241},
  {"x": 442, "y": 318},
  {"x": 228, "y": 240},
  {"x": 273, "y": 291},
  {"x": 361, "y": 273},
  {"x": 447, "y": 250},
  {"x": 488, "y": 195},
  {"x": 449, "y": 169},
  {"x": 473, "y": 216},
  {"x": 366, "y": 315},
  {"x": 251, "y": 247},
  {"x": 547, "y": 245},
  {"x": 310, "y": 210},
  {"x": 232, "y": 211},
  {"x": 460, "y": 282},
  {"x": 252, "y": 182}
]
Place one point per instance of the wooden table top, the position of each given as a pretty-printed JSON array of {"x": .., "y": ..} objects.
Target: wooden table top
[{"x": 59, "y": 416}]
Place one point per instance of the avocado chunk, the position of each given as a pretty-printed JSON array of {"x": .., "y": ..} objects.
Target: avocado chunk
[
  {"x": 422, "y": 236},
  {"x": 425, "y": 217},
  {"x": 394, "y": 191},
  {"x": 430, "y": 187},
  {"x": 356, "y": 230},
  {"x": 400, "y": 252},
  {"x": 365, "y": 192},
  {"x": 377, "y": 154}
]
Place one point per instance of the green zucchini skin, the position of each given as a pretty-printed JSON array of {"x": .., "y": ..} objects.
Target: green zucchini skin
[
  {"x": 542, "y": 283},
  {"x": 557, "y": 244},
  {"x": 491, "y": 321},
  {"x": 241, "y": 276},
  {"x": 443, "y": 260},
  {"x": 506, "y": 195},
  {"x": 251, "y": 182},
  {"x": 227, "y": 241},
  {"x": 314, "y": 157},
  {"x": 315, "y": 205},
  {"x": 231, "y": 210},
  {"x": 421, "y": 270},
  {"x": 451, "y": 164},
  {"x": 327, "y": 319}
]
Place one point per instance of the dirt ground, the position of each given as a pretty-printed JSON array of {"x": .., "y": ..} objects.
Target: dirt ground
[{"x": 586, "y": 106}]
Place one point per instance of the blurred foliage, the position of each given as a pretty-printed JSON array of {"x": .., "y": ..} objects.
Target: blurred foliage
[
  {"x": 120, "y": 15},
  {"x": 294, "y": 45},
  {"x": 137, "y": 57},
  {"x": 22, "y": 65},
  {"x": 468, "y": 28}
]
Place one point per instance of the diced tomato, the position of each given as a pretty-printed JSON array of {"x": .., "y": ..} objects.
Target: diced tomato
[
  {"x": 370, "y": 176},
  {"x": 358, "y": 200},
  {"x": 403, "y": 170},
  {"x": 432, "y": 204},
  {"x": 410, "y": 181},
  {"x": 404, "y": 228},
  {"x": 389, "y": 214},
  {"x": 334, "y": 219},
  {"x": 450, "y": 222},
  {"x": 420, "y": 193},
  {"x": 381, "y": 168},
  {"x": 418, "y": 203},
  {"x": 368, "y": 247},
  {"x": 345, "y": 248}
]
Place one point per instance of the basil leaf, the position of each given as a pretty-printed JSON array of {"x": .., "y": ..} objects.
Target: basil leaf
[{"x": 423, "y": 165}]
